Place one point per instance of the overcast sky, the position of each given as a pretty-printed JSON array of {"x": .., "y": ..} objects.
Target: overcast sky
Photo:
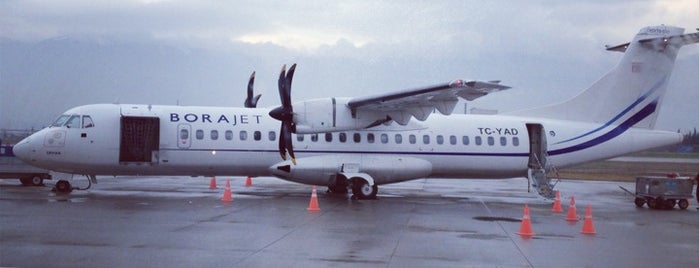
[{"x": 546, "y": 50}]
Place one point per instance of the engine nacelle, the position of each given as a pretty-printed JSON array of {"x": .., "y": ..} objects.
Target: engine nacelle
[
  {"x": 383, "y": 169},
  {"x": 331, "y": 115}
]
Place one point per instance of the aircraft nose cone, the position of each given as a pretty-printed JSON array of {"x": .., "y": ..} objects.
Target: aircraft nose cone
[{"x": 23, "y": 150}]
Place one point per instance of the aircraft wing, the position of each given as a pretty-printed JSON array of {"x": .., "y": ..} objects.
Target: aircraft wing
[{"x": 421, "y": 102}]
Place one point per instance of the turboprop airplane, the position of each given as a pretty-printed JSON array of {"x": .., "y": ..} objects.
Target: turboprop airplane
[{"x": 360, "y": 143}]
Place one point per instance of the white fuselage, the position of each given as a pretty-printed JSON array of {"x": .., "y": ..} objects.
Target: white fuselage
[{"x": 243, "y": 141}]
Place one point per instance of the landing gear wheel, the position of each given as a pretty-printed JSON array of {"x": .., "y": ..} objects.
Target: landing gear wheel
[
  {"x": 339, "y": 186},
  {"x": 338, "y": 189},
  {"x": 63, "y": 186},
  {"x": 639, "y": 202},
  {"x": 37, "y": 180},
  {"x": 683, "y": 203},
  {"x": 362, "y": 190},
  {"x": 26, "y": 181}
]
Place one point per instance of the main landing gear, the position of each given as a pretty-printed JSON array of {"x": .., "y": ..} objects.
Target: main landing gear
[
  {"x": 360, "y": 188},
  {"x": 33, "y": 180}
]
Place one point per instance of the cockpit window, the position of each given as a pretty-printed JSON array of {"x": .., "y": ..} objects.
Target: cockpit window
[
  {"x": 60, "y": 120},
  {"x": 73, "y": 122},
  {"x": 87, "y": 121}
]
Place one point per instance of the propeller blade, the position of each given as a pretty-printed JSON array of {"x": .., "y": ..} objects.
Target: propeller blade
[
  {"x": 251, "y": 83},
  {"x": 287, "y": 86},
  {"x": 250, "y": 101},
  {"x": 282, "y": 142},
  {"x": 282, "y": 84},
  {"x": 287, "y": 138}
]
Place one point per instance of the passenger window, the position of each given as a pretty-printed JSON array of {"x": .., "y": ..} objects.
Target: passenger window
[
  {"x": 328, "y": 137},
  {"x": 479, "y": 140},
  {"x": 200, "y": 134},
  {"x": 440, "y": 139},
  {"x": 243, "y": 135},
  {"x": 464, "y": 140},
  {"x": 314, "y": 137},
  {"x": 370, "y": 137},
  {"x": 299, "y": 137},
  {"x": 272, "y": 135},
  {"x": 399, "y": 139},
  {"x": 452, "y": 140},
  {"x": 515, "y": 141},
  {"x": 503, "y": 141},
  {"x": 257, "y": 135},
  {"x": 73, "y": 122},
  {"x": 384, "y": 138},
  {"x": 87, "y": 121},
  {"x": 229, "y": 135},
  {"x": 343, "y": 137},
  {"x": 412, "y": 139},
  {"x": 357, "y": 137},
  {"x": 426, "y": 139},
  {"x": 214, "y": 135},
  {"x": 184, "y": 134},
  {"x": 491, "y": 141}
]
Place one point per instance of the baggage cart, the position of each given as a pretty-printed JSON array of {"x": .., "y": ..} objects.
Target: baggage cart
[{"x": 663, "y": 192}]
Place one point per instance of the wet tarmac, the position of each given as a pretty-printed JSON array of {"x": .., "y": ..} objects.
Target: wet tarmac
[{"x": 180, "y": 222}]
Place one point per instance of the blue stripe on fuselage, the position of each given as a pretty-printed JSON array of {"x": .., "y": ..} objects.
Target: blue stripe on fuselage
[
  {"x": 634, "y": 104},
  {"x": 642, "y": 114}
]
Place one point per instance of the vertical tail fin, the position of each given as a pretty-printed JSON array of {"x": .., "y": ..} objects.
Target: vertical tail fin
[{"x": 630, "y": 93}]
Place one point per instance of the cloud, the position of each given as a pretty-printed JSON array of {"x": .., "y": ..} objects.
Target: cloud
[{"x": 544, "y": 48}]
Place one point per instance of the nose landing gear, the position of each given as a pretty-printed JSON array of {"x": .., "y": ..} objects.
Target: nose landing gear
[{"x": 65, "y": 187}]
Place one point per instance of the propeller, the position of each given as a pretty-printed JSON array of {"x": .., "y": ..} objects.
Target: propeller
[
  {"x": 250, "y": 101},
  {"x": 285, "y": 113}
]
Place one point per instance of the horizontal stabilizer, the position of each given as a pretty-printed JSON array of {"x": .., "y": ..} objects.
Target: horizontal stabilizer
[{"x": 661, "y": 42}]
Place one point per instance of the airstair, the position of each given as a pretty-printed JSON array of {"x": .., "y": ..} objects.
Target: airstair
[{"x": 539, "y": 167}]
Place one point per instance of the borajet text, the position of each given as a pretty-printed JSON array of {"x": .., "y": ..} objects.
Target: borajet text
[{"x": 233, "y": 119}]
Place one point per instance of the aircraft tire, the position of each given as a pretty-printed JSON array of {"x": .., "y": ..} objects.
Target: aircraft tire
[
  {"x": 63, "y": 186},
  {"x": 362, "y": 190},
  {"x": 26, "y": 181},
  {"x": 339, "y": 186},
  {"x": 639, "y": 202},
  {"x": 37, "y": 180}
]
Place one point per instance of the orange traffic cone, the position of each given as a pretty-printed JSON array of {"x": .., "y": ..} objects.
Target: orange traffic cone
[
  {"x": 525, "y": 228},
  {"x": 313, "y": 204},
  {"x": 227, "y": 197},
  {"x": 572, "y": 212},
  {"x": 212, "y": 184},
  {"x": 557, "y": 204},
  {"x": 248, "y": 182},
  {"x": 588, "y": 226}
]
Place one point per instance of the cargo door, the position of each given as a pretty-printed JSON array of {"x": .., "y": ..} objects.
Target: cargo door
[{"x": 140, "y": 139}]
